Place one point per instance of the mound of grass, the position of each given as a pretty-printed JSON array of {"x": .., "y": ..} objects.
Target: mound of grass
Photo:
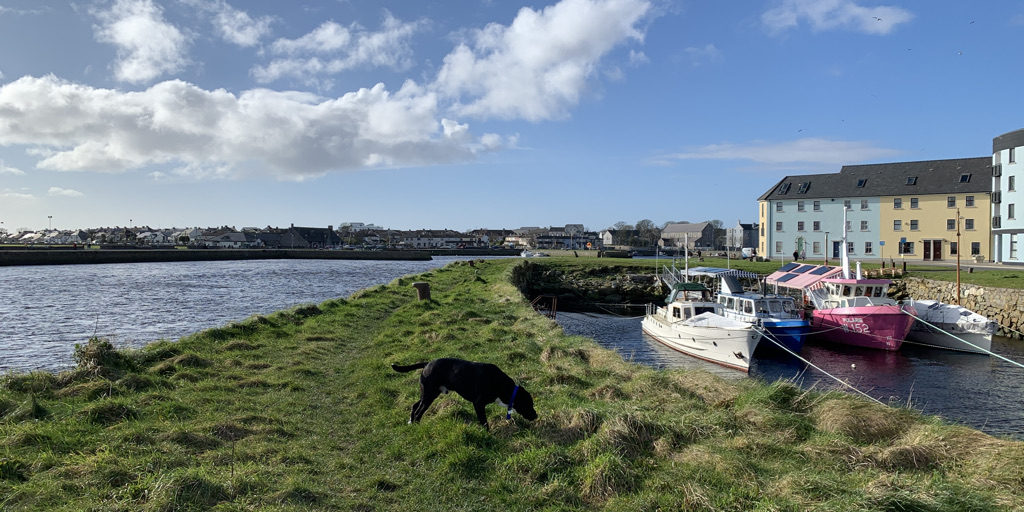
[{"x": 299, "y": 410}]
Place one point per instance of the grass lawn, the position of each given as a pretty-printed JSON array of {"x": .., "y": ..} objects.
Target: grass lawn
[{"x": 299, "y": 410}]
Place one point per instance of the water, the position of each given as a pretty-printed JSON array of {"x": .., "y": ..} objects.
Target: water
[
  {"x": 980, "y": 391},
  {"x": 46, "y": 310}
]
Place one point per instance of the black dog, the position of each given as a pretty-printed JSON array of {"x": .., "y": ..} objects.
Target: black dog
[{"x": 480, "y": 383}]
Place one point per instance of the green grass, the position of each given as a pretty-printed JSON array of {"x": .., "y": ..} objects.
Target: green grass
[{"x": 299, "y": 410}]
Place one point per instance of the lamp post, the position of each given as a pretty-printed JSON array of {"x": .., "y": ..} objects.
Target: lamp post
[
  {"x": 49, "y": 220},
  {"x": 826, "y": 248},
  {"x": 958, "y": 250}
]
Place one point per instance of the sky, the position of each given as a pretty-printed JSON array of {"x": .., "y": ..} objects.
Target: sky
[{"x": 466, "y": 114}]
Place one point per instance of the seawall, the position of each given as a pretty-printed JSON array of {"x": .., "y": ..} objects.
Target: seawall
[
  {"x": 1004, "y": 305},
  {"x": 80, "y": 256}
]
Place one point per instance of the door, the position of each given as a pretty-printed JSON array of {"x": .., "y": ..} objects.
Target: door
[
  {"x": 927, "y": 250},
  {"x": 835, "y": 248},
  {"x": 936, "y": 250}
]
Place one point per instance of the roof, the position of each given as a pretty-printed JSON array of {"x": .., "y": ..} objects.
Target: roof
[
  {"x": 802, "y": 276},
  {"x": 890, "y": 179},
  {"x": 719, "y": 272},
  {"x": 683, "y": 228},
  {"x": 1014, "y": 139}
]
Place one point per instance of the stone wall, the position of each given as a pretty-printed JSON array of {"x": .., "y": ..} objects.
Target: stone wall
[{"x": 1004, "y": 305}]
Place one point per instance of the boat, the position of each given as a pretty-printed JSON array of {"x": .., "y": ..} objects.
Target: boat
[
  {"x": 949, "y": 326},
  {"x": 848, "y": 310},
  {"x": 692, "y": 323},
  {"x": 777, "y": 314},
  {"x": 533, "y": 254}
]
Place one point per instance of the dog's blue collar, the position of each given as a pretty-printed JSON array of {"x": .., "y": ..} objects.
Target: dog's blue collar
[{"x": 511, "y": 403}]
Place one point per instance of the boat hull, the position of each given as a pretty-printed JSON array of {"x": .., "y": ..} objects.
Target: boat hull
[
  {"x": 731, "y": 348},
  {"x": 790, "y": 333},
  {"x": 977, "y": 343},
  {"x": 878, "y": 327}
]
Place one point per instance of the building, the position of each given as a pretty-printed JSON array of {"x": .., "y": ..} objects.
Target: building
[
  {"x": 741, "y": 235},
  {"x": 699, "y": 235},
  {"x": 906, "y": 210},
  {"x": 1007, "y": 229}
]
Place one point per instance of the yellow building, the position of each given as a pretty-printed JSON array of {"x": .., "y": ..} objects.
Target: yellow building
[{"x": 927, "y": 226}]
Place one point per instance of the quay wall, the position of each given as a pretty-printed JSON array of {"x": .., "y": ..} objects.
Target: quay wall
[
  {"x": 80, "y": 256},
  {"x": 1002, "y": 305}
]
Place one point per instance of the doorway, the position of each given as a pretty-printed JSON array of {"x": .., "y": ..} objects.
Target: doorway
[
  {"x": 932, "y": 250},
  {"x": 836, "y": 246}
]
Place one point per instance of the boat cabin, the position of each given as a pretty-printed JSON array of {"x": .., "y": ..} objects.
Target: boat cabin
[
  {"x": 850, "y": 293},
  {"x": 688, "y": 310},
  {"x": 759, "y": 306}
]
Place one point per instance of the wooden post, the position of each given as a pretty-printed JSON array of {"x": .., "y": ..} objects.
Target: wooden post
[{"x": 422, "y": 290}]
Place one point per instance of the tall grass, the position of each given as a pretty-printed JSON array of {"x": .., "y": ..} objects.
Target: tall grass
[{"x": 300, "y": 410}]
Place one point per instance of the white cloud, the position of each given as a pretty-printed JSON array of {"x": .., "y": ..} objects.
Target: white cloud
[
  {"x": 800, "y": 152},
  {"x": 12, "y": 195},
  {"x": 709, "y": 53},
  {"x": 539, "y": 65},
  {"x": 185, "y": 130},
  {"x": 234, "y": 26},
  {"x": 332, "y": 48},
  {"x": 147, "y": 46},
  {"x": 63, "y": 192},
  {"x": 835, "y": 14},
  {"x": 5, "y": 169}
]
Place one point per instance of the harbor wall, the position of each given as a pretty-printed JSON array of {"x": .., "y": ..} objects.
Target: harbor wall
[{"x": 1003, "y": 305}]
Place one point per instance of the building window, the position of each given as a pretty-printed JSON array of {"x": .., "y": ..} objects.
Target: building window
[
  {"x": 846, "y": 203},
  {"x": 863, "y": 204},
  {"x": 1011, "y": 183},
  {"x": 911, "y": 180},
  {"x": 913, "y": 202},
  {"x": 950, "y": 224},
  {"x": 778, "y": 247},
  {"x": 861, "y": 182},
  {"x": 897, "y": 225},
  {"x": 800, "y": 225},
  {"x": 817, "y": 206},
  {"x": 952, "y": 248},
  {"x": 799, "y": 206},
  {"x": 969, "y": 201},
  {"x": 762, "y": 229},
  {"x": 1013, "y": 246},
  {"x": 907, "y": 248},
  {"x": 849, "y": 225},
  {"x": 1009, "y": 211},
  {"x": 965, "y": 178},
  {"x": 803, "y": 187},
  {"x": 778, "y": 207},
  {"x": 913, "y": 225},
  {"x": 969, "y": 224},
  {"x": 897, "y": 203},
  {"x": 849, "y": 247},
  {"x": 1012, "y": 155},
  {"x": 863, "y": 225},
  {"x": 784, "y": 188},
  {"x": 778, "y": 225},
  {"x": 867, "y": 248},
  {"x": 817, "y": 225},
  {"x": 816, "y": 247},
  {"x": 975, "y": 248},
  {"x": 951, "y": 201}
]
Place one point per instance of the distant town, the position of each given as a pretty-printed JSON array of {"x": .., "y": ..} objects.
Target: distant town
[{"x": 708, "y": 235}]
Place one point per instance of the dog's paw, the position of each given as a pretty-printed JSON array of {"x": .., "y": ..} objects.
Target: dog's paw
[{"x": 408, "y": 422}]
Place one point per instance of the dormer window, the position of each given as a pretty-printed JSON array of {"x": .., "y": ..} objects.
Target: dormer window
[
  {"x": 803, "y": 187},
  {"x": 911, "y": 180},
  {"x": 965, "y": 178},
  {"x": 861, "y": 182},
  {"x": 784, "y": 188}
]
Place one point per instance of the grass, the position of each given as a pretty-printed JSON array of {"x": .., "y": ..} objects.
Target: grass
[{"x": 299, "y": 410}]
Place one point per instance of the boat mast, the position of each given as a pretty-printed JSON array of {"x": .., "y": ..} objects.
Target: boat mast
[{"x": 843, "y": 253}]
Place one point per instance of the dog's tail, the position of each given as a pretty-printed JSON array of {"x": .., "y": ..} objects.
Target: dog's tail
[{"x": 408, "y": 368}]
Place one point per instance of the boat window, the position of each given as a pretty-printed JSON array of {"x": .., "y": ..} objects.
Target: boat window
[
  {"x": 675, "y": 313},
  {"x": 859, "y": 291},
  {"x": 732, "y": 303},
  {"x": 846, "y": 291},
  {"x": 775, "y": 306},
  {"x": 722, "y": 300},
  {"x": 787, "y": 306},
  {"x": 699, "y": 310},
  {"x": 687, "y": 313},
  {"x": 748, "y": 306},
  {"x": 762, "y": 306},
  {"x": 878, "y": 291}
]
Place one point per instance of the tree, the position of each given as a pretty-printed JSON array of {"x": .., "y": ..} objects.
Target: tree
[
  {"x": 619, "y": 226},
  {"x": 647, "y": 232}
]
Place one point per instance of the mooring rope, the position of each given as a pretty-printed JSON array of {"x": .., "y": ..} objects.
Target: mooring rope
[
  {"x": 989, "y": 352},
  {"x": 778, "y": 343}
]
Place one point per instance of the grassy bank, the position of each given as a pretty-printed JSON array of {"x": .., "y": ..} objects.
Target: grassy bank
[{"x": 299, "y": 410}]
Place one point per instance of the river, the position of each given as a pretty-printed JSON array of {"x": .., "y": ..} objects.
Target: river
[
  {"x": 46, "y": 310},
  {"x": 980, "y": 391}
]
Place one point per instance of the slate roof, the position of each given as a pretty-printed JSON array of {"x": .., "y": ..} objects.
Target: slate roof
[
  {"x": 891, "y": 179},
  {"x": 1014, "y": 139},
  {"x": 683, "y": 228}
]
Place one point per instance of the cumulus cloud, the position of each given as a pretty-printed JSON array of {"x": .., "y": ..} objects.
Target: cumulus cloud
[
  {"x": 539, "y": 65},
  {"x": 147, "y": 46},
  {"x": 5, "y": 169},
  {"x": 332, "y": 48},
  {"x": 709, "y": 53},
  {"x": 825, "y": 15},
  {"x": 63, "y": 192},
  {"x": 75, "y": 127},
  {"x": 234, "y": 26},
  {"x": 12, "y": 195},
  {"x": 801, "y": 152}
]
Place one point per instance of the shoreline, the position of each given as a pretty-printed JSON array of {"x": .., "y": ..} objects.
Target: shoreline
[{"x": 79, "y": 256}]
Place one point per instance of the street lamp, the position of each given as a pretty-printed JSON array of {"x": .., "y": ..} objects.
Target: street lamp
[
  {"x": 959, "y": 249},
  {"x": 49, "y": 219},
  {"x": 826, "y": 248}
]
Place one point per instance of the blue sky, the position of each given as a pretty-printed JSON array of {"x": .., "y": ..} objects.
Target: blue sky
[{"x": 464, "y": 114}]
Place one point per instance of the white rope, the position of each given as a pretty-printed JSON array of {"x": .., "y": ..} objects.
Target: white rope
[
  {"x": 989, "y": 352},
  {"x": 771, "y": 338}
]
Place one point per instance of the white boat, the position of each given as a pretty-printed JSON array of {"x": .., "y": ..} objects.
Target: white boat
[
  {"x": 531, "y": 254},
  {"x": 693, "y": 324},
  {"x": 950, "y": 322}
]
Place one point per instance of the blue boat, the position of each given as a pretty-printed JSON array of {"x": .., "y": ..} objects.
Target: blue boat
[{"x": 777, "y": 314}]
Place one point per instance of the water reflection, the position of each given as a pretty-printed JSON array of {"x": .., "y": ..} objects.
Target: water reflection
[{"x": 977, "y": 390}]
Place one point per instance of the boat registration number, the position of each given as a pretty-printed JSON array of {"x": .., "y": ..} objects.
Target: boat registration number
[{"x": 856, "y": 325}]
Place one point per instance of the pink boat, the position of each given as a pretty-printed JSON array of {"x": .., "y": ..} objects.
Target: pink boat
[{"x": 852, "y": 311}]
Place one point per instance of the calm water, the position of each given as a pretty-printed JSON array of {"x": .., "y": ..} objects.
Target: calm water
[
  {"x": 980, "y": 391},
  {"x": 46, "y": 310}
]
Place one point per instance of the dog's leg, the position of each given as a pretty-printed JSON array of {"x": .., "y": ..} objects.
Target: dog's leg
[
  {"x": 413, "y": 413},
  {"x": 426, "y": 398},
  {"x": 481, "y": 414}
]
